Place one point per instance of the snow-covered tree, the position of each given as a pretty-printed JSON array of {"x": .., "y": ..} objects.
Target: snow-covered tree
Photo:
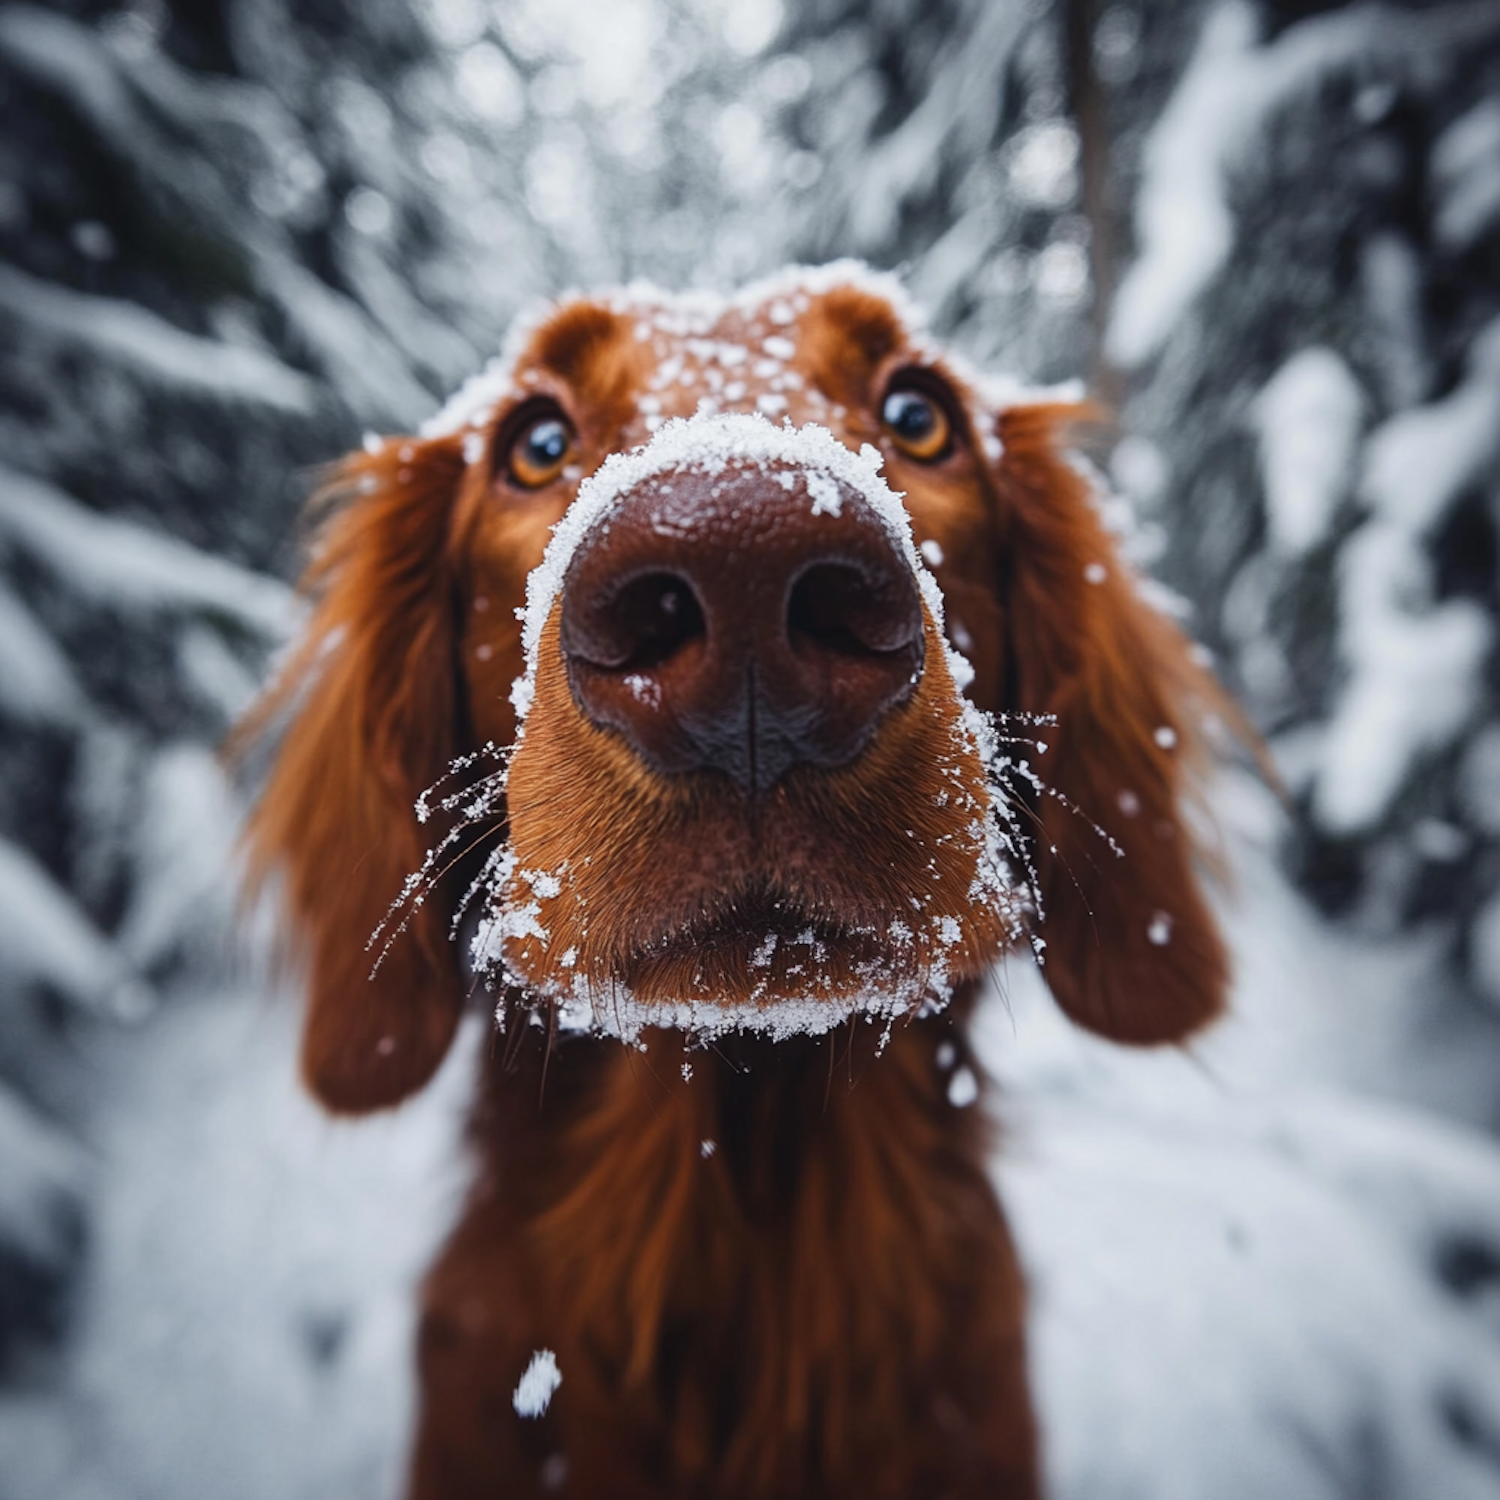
[{"x": 1309, "y": 330}]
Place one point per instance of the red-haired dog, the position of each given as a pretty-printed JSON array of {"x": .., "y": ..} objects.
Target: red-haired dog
[{"x": 751, "y": 850}]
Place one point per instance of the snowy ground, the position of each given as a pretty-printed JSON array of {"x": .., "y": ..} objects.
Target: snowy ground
[{"x": 1265, "y": 1270}]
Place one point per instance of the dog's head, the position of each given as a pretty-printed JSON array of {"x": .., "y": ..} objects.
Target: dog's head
[{"x": 751, "y": 780}]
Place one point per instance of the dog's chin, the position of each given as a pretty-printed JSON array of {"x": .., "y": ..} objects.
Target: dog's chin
[
  {"x": 754, "y": 962},
  {"x": 768, "y": 953}
]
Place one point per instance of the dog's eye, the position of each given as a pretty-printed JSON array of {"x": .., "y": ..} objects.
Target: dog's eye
[
  {"x": 918, "y": 425},
  {"x": 539, "y": 452}
]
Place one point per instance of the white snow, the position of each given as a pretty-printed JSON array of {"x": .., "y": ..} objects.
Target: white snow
[
  {"x": 115, "y": 562},
  {"x": 961, "y": 115},
  {"x": 1158, "y": 1237},
  {"x": 1043, "y": 167},
  {"x": 1393, "y": 292},
  {"x": 1140, "y": 468},
  {"x": 37, "y": 682},
  {"x": 1230, "y": 88},
  {"x": 40, "y": 1171},
  {"x": 1484, "y": 954},
  {"x": 1183, "y": 225},
  {"x": 45, "y": 935},
  {"x": 127, "y": 94},
  {"x": 1308, "y": 421},
  {"x": 617, "y": 1013},
  {"x": 963, "y": 1088},
  {"x": 253, "y": 1270},
  {"x": 1466, "y": 176},
  {"x": 1413, "y": 676},
  {"x": 182, "y": 851},
  {"x": 369, "y": 372},
  {"x": 1479, "y": 781},
  {"x": 1419, "y": 461},
  {"x": 534, "y": 1392},
  {"x": 1413, "y": 666},
  {"x": 154, "y": 349},
  {"x": 826, "y": 500}
]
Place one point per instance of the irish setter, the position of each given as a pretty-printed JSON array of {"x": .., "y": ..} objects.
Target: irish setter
[{"x": 741, "y": 816}]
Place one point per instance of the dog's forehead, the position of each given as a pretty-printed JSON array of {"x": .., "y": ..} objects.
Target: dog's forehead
[
  {"x": 784, "y": 318},
  {"x": 787, "y": 351},
  {"x": 755, "y": 335},
  {"x": 817, "y": 336}
]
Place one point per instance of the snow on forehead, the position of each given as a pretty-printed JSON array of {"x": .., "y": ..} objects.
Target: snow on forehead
[
  {"x": 709, "y": 444},
  {"x": 791, "y": 288},
  {"x": 779, "y": 299},
  {"x": 471, "y": 404}
]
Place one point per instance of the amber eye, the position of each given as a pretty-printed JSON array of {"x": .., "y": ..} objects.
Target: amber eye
[
  {"x": 918, "y": 424},
  {"x": 539, "y": 452}
]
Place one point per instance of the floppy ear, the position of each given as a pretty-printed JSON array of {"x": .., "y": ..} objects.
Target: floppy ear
[
  {"x": 373, "y": 701},
  {"x": 1132, "y": 950}
]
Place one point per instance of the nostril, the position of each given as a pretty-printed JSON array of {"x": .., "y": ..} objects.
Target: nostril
[
  {"x": 840, "y": 608},
  {"x": 719, "y": 622},
  {"x": 636, "y": 625}
]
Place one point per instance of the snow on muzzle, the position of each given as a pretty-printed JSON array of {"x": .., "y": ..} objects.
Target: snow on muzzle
[
  {"x": 698, "y": 453},
  {"x": 747, "y": 789}
]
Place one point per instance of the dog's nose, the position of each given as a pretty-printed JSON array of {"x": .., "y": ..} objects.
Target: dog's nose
[{"x": 748, "y": 621}]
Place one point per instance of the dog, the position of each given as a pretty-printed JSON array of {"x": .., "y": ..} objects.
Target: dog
[{"x": 748, "y": 772}]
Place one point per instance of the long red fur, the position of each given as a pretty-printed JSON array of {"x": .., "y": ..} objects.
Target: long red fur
[{"x": 786, "y": 1274}]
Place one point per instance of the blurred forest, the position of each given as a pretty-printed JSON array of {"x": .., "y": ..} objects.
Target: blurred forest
[{"x": 234, "y": 236}]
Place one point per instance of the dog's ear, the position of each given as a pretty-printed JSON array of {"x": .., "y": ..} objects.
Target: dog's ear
[
  {"x": 370, "y": 703},
  {"x": 1132, "y": 949}
]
